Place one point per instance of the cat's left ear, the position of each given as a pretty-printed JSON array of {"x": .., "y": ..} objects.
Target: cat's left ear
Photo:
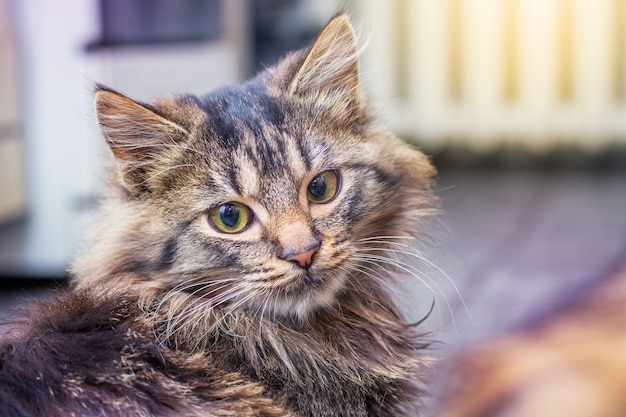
[{"x": 331, "y": 65}]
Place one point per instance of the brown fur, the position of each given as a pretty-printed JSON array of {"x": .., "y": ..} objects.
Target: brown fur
[
  {"x": 170, "y": 316},
  {"x": 572, "y": 364}
]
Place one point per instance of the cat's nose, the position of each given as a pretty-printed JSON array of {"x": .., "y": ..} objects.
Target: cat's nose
[
  {"x": 296, "y": 242},
  {"x": 303, "y": 259}
]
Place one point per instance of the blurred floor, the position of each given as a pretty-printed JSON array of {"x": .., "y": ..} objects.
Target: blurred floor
[{"x": 519, "y": 243}]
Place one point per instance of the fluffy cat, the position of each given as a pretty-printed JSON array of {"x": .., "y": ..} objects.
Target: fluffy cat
[{"x": 242, "y": 259}]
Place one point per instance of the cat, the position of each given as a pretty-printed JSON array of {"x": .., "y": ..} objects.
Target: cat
[
  {"x": 242, "y": 259},
  {"x": 568, "y": 363}
]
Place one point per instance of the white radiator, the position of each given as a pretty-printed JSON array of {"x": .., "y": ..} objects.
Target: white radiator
[{"x": 487, "y": 73}]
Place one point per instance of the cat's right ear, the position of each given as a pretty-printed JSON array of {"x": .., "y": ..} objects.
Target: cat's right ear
[
  {"x": 133, "y": 131},
  {"x": 137, "y": 135}
]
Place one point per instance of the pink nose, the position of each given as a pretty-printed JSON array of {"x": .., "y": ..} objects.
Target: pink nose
[{"x": 304, "y": 259}]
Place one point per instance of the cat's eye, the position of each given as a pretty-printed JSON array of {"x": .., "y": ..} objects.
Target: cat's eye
[
  {"x": 323, "y": 188},
  {"x": 231, "y": 217}
]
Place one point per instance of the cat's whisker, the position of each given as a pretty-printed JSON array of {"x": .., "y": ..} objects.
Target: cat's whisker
[
  {"x": 418, "y": 255},
  {"x": 413, "y": 252},
  {"x": 239, "y": 302},
  {"x": 266, "y": 301},
  {"x": 260, "y": 313},
  {"x": 394, "y": 290},
  {"x": 384, "y": 280},
  {"x": 188, "y": 303},
  {"x": 435, "y": 294},
  {"x": 387, "y": 239},
  {"x": 177, "y": 290},
  {"x": 377, "y": 260},
  {"x": 179, "y": 323},
  {"x": 348, "y": 271},
  {"x": 206, "y": 331},
  {"x": 221, "y": 297},
  {"x": 234, "y": 307},
  {"x": 375, "y": 275},
  {"x": 362, "y": 270},
  {"x": 183, "y": 287},
  {"x": 396, "y": 263},
  {"x": 175, "y": 322},
  {"x": 413, "y": 271}
]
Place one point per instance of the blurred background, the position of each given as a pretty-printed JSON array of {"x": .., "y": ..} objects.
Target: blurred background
[{"x": 520, "y": 103}]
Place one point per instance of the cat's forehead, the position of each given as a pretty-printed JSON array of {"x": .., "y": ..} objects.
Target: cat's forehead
[
  {"x": 238, "y": 107},
  {"x": 257, "y": 142}
]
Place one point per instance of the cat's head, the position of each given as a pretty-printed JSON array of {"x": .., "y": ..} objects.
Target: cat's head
[{"x": 274, "y": 196}]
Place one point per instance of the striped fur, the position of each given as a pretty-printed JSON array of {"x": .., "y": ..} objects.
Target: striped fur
[{"x": 203, "y": 322}]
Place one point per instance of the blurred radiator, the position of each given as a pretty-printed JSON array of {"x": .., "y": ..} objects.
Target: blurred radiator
[{"x": 488, "y": 73}]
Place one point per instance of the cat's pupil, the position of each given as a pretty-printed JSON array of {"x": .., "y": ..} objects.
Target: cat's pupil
[
  {"x": 229, "y": 215},
  {"x": 232, "y": 217},
  {"x": 317, "y": 187},
  {"x": 323, "y": 187}
]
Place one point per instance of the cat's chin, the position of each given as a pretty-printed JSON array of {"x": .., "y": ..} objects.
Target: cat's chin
[{"x": 309, "y": 292}]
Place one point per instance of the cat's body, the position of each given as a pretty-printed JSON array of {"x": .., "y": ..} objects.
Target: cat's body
[
  {"x": 96, "y": 356},
  {"x": 242, "y": 261}
]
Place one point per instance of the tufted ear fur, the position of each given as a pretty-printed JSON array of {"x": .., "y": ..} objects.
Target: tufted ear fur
[
  {"x": 331, "y": 66},
  {"x": 135, "y": 133}
]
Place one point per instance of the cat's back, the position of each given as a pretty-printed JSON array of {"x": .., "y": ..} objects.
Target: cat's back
[
  {"x": 83, "y": 354},
  {"x": 77, "y": 351}
]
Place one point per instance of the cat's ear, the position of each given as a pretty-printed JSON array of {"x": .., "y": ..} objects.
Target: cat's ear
[
  {"x": 133, "y": 131},
  {"x": 331, "y": 65},
  {"x": 136, "y": 134}
]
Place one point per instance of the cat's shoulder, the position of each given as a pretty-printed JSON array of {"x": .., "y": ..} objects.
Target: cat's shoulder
[{"x": 43, "y": 351}]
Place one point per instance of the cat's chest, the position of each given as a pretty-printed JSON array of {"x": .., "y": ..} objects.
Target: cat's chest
[
  {"x": 315, "y": 377},
  {"x": 327, "y": 393}
]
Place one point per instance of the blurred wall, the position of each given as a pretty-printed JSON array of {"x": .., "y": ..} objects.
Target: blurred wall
[
  {"x": 12, "y": 193},
  {"x": 60, "y": 66}
]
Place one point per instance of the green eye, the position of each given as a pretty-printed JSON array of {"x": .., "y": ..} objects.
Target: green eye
[
  {"x": 232, "y": 217},
  {"x": 323, "y": 187}
]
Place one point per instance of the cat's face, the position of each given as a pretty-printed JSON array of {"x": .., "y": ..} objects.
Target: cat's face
[{"x": 272, "y": 196}]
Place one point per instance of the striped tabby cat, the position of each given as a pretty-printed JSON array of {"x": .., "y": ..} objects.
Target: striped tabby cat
[{"x": 242, "y": 258}]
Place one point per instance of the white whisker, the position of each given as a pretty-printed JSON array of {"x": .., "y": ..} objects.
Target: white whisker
[
  {"x": 191, "y": 303},
  {"x": 375, "y": 275},
  {"x": 415, "y": 253},
  {"x": 365, "y": 256}
]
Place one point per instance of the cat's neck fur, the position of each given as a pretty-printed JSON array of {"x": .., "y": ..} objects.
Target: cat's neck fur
[{"x": 360, "y": 349}]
